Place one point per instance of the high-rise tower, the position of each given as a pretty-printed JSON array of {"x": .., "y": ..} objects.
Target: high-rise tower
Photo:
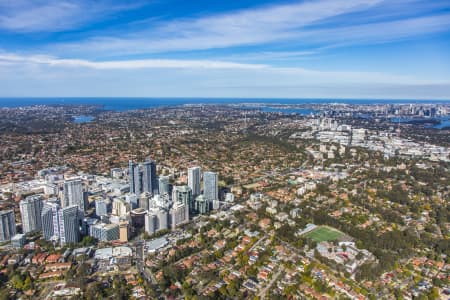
[
  {"x": 50, "y": 220},
  {"x": 73, "y": 194},
  {"x": 69, "y": 229},
  {"x": 211, "y": 189},
  {"x": 194, "y": 175},
  {"x": 7, "y": 225},
  {"x": 149, "y": 178},
  {"x": 30, "y": 210}
]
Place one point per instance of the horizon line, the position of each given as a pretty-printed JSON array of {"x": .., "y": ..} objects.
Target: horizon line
[{"x": 223, "y": 98}]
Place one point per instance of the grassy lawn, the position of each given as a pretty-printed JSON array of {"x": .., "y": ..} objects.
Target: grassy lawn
[{"x": 323, "y": 233}]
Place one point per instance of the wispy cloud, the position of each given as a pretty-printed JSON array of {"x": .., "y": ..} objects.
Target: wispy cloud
[
  {"x": 321, "y": 23},
  {"x": 246, "y": 27},
  {"x": 125, "y": 64},
  {"x": 284, "y": 74},
  {"x": 51, "y": 76},
  {"x": 379, "y": 32},
  {"x": 55, "y": 15},
  {"x": 96, "y": 59},
  {"x": 273, "y": 55}
]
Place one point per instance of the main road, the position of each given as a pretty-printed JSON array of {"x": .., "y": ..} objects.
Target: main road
[
  {"x": 143, "y": 270},
  {"x": 263, "y": 292}
]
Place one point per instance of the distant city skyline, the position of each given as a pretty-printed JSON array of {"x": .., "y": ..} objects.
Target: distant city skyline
[{"x": 247, "y": 49}]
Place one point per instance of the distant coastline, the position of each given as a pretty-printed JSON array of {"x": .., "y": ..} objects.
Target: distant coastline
[{"x": 130, "y": 103}]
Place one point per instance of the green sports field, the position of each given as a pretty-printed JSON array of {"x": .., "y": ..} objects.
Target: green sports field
[{"x": 323, "y": 233}]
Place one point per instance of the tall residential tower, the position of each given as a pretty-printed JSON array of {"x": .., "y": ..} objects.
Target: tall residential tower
[
  {"x": 7, "y": 225},
  {"x": 69, "y": 229},
  {"x": 211, "y": 188},
  {"x": 30, "y": 210},
  {"x": 149, "y": 178},
  {"x": 50, "y": 220},
  {"x": 194, "y": 177},
  {"x": 73, "y": 194},
  {"x": 143, "y": 177}
]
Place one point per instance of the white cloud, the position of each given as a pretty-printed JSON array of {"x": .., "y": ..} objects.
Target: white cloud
[
  {"x": 379, "y": 32},
  {"x": 54, "y": 15},
  {"x": 246, "y": 27},
  {"x": 283, "y": 75},
  {"x": 321, "y": 23},
  {"x": 307, "y": 24},
  {"x": 126, "y": 64},
  {"x": 46, "y": 76},
  {"x": 302, "y": 29}
]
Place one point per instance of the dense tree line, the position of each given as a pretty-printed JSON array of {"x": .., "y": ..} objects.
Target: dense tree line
[{"x": 388, "y": 247}]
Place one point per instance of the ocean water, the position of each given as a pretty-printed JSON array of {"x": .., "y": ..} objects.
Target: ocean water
[
  {"x": 443, "y": 121},
  {"x": 83, "y": 119},
  {"x": 288, "y": 111},
  {"x": 123, "y": 104}
]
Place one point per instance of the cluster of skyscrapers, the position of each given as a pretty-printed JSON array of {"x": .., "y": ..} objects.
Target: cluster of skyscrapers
[
  {"x": 61, "y": 224},
  {"x": 57, "y": 223},
  {"x": 161, "y": 205},
  {"x": 171, "y": 207}
]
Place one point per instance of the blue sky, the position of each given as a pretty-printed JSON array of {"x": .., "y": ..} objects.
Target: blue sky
[{"x": 245, "y": 48}]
